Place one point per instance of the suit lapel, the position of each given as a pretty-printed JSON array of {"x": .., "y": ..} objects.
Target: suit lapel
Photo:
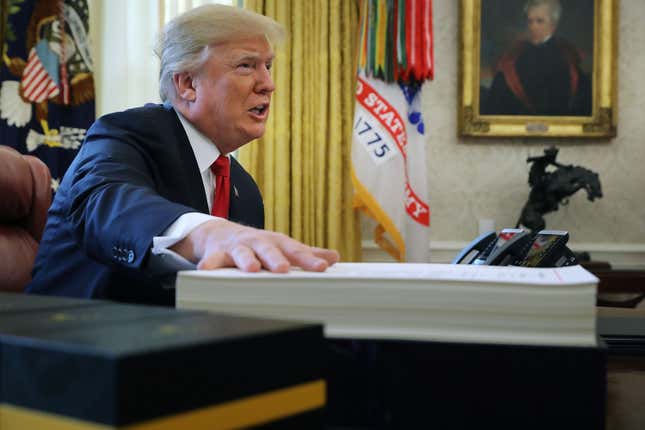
[
  {"x": 194, "y": 187},
  {"x": 234, "y": 201},
  {"x": 245, "y": 204}
]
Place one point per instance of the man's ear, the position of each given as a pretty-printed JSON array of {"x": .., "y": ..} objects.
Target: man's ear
[{"x": 184, "y": 85}]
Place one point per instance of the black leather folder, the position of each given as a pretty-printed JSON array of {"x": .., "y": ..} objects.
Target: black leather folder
[
  {"x": 122, "y": 365},
  {"x": 16, "y": 303}
]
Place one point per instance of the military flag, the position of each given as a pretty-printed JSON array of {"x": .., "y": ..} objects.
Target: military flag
[
  {"x": 46, "y": 79},
  {"x": 395, "y": 58}
]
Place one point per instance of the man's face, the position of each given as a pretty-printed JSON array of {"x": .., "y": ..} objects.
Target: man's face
[
  {"x": 233, "y": 92},
  {"x": 540, "y": 24}
]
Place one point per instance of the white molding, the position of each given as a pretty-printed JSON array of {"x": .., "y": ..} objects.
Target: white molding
[{"x": 620, "y": 256}]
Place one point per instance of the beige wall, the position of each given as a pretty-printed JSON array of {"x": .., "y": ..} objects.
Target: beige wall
[{"x": 471, "y": 179}]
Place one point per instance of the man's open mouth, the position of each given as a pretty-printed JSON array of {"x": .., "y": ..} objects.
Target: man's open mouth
[{"x": 260, "y": 109}]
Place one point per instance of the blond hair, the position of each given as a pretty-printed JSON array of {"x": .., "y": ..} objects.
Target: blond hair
[{"x": 183, "y": 42}]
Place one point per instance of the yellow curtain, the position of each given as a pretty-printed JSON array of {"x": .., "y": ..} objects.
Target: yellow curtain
[{"x": 302, "y": 164}]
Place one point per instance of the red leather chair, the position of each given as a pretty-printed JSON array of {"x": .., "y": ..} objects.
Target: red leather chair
[{"x": 25, "y": 196}]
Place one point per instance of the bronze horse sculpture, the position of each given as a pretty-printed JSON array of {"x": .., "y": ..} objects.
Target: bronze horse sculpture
[{"x": 551, "y": 189}]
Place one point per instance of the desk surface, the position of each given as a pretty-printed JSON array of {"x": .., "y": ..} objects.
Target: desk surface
[
  {"x": 624, "y": 288},
  {"x": 632, "y": 281},
  {"x": 604, "y": 311}
]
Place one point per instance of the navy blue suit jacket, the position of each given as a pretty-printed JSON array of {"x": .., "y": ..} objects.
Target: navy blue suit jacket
[{"x": 134, "y": 175}]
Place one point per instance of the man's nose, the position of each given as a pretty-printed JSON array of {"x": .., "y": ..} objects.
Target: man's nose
[{"x": 265, "y": 81}]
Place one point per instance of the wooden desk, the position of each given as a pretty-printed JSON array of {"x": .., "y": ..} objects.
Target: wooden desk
[
  {"x": 620, "y": 281},
  {"x": 620, "y": 288}
]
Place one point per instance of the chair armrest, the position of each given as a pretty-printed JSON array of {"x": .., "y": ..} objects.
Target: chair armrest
[{"x": 41, "y": 198}]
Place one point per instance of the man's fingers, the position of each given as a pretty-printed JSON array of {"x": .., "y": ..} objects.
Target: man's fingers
[
  {"x": 309, "y": 258},
  {"x": 311, "y": 263},
  {"x": 241, "y": 257},
  {"x": 214, "y": 260},
  {"x": 271, "y": 257},
  {"x": 226, "y": 244},
  {"x": 244, "y": 258},
  {"x": 331, "y": 255}
]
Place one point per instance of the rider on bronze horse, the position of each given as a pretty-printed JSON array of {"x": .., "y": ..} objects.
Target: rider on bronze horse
[{"x": 550, "y": 189}]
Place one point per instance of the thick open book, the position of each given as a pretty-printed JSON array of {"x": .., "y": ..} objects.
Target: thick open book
[{"x": 439, "y": 302}]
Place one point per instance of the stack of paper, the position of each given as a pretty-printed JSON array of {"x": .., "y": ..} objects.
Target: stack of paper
[{"x": 442, "y": 302}]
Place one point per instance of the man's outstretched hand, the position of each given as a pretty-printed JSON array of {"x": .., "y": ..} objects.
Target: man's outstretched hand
[{"x": 221, "y": 243}]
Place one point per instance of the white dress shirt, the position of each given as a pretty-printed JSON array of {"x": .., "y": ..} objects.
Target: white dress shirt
[{"x": 205, "y": 153}]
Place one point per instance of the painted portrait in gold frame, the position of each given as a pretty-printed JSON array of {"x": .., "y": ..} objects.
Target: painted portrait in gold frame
[{"x": 538, "y": 68}]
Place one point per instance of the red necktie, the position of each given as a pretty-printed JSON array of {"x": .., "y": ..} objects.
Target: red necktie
[{"x": 221, "y": 169}]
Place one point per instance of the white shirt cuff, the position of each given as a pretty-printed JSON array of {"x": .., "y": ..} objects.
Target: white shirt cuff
[{"x": 164, "y": 259}]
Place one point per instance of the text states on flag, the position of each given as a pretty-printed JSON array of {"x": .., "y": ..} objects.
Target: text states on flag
[
  {"x": 380, "y": 111},
  {"x": 383, "y": 112}
]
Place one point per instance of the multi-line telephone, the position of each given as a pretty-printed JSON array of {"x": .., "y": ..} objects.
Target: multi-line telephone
[{"x": 518, "y": 247}]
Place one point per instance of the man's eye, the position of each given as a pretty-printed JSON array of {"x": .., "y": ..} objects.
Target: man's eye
[
  {"x": 269, "y": 65},
  {"x": 244, "y": 65}
]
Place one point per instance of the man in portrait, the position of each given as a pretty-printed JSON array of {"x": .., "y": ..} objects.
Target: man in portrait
[{"x": 541, "y": 73}]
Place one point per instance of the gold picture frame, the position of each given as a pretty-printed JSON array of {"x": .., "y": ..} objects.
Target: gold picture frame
[{"x": 482, "y": 111}]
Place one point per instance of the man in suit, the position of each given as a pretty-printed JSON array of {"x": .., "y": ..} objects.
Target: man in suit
[
  {"x": 540, "y": 75},
  {"x": 150, "y": 191}
]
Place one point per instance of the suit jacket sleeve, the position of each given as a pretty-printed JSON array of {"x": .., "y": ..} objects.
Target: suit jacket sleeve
[{"x": 122, "y": 191}]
